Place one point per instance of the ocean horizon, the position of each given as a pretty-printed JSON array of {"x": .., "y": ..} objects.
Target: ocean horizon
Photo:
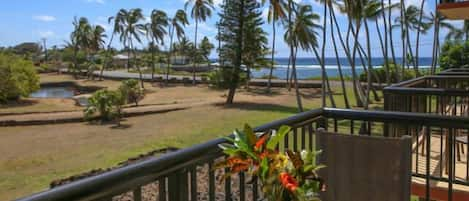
[{"x": 309, "y": 67}]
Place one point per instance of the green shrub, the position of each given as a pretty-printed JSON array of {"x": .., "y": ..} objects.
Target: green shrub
[
  {"x": 108, "y": 105},
  {"x": 131, "y": 91},
  {"x": 17, "y": 77},
  {"x": 381, "y": 73},
  {"x": 455, "y": 54},
  {"x": 221, "y": 77}
]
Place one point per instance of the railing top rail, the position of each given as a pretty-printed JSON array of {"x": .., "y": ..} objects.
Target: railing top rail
[{"x": 409, "y": 118}]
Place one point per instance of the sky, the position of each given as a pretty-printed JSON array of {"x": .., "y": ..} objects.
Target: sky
[{"x": 32, "y": 20}]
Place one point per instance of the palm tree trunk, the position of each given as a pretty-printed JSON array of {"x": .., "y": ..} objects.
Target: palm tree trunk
[
  {"x": 351, "y": 61},
  {"x": 269, "y": 82},
  {"x": 288, "y": 73},
  {"x": 138, "y": 67},
  {"x": 356, "y": 81},
  {"x": 106, "y": 58},
  {"x": 417, "y": 52},
  {"x": 323, "y": 54},
  {"x": 195, "y": 49},
  {"x": 370, "y": 66},
  {"x": 435, "y": 45},
  {"x": 339, "y": 65},
  {"x": 75, "y": 62},
  {"x": 391, "y": 43},
  {"x": 170, "y": 52},
  {"x": 386, "y": 50},
  {"x": 153, "y": 62},
  {"x": 404, "y": 47},
  {"x": 295, "y": 79}
]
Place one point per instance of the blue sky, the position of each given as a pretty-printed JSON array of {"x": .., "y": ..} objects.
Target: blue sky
[{"x": 31, "y": 20}]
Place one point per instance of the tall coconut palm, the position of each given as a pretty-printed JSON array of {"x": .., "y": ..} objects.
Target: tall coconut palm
[
  {"x": 201, "y": 10},
  {"x": 117, "y": 29},
  {"x": 275, "y": 14},
  {"x": 302, "y": 33},
  {"x": 79, "y": 38},
  {"x": 459, "y": 33},
  {"x": 156, "y": 31},
  {"x": 176, "y": 26},
  {"x": 354, "y": 11},
  {"x": 132, "y": 30},
  {"x": 96, "y": 43}
]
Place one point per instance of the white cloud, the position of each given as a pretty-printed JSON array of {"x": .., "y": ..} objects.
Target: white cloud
[
  {"x": 96, "y": 1},
  {"x": 46, "y": 34},
  {"x": 44, "y": 18}
]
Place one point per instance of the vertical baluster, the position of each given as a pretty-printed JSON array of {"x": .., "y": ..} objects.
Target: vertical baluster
[
  {"x": 467, "y": 155},
  {"x": 441, "y": 151},
  {"x": 255, "y": 188},
  {"x": 303, "y": 137},
  {"x": 295, "y": 139},
  {"x": 335, "y": 126},
  {"x": 162, "y": 189},
  {"x": 310, "y": 134},
  {"x": 352, "y": 127},
  {"x": 427, "y": 165},
  {"x": 227, "y": 185},
  {"x": 211, "y": 181},
  {"x": 286, "y": 141},
  {"x": 450, "y": 167},
  {"x": 193, "y": 173},
  {"x": 137, "y": 194},
  {"x": 242, "y": 185},
  {"x": 417, "y": 152}
]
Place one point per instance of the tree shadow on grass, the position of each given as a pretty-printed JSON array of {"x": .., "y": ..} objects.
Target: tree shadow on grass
[{"x": 250, "y": 106}]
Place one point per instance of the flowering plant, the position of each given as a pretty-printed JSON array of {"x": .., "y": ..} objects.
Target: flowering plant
[{"x": 289, "y": 176}]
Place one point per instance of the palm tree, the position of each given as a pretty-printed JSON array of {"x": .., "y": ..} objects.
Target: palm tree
[
  {"x": 131, "y": 31},
  {"x": 117, "y": 29},
  {"x": 176, "y": 26},
  {"x": 276, "y": 13},
  {"x": 302, "y": 34},
  {"x": 79, "y": 39},
  {"x": 156, "y": 31},
  {"x": 96, "y": 43},
  {"x": 201, "y": 10},
  {"x": 459, "y": 33}
]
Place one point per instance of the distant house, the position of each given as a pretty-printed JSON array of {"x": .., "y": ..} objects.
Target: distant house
[
  {"x": 179, "y": 60},
  {"x": 120, "y": 60}
]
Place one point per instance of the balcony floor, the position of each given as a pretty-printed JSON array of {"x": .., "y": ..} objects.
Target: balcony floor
[{"x": 438, "y": 168}]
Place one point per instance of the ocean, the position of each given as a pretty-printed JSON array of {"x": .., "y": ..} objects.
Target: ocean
[{"x": 310, "y": 68}]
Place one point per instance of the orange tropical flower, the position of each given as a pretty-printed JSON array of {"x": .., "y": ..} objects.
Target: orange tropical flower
[
  {"x": 288, "y": 181},
  {"x": 261, "y": 141}
]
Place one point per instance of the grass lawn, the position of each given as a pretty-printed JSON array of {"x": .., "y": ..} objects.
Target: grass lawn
[{"x": 33, "y": 156}]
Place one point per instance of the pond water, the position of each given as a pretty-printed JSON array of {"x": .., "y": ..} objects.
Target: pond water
[{"x": 54, "y": 92}]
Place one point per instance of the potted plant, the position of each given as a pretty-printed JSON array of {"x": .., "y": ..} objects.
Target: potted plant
[{"x": 284, "y": 176}]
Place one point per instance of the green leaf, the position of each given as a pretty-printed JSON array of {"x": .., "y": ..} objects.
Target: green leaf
[
  {"x": 250, "y": 136},
  {"x": 264, "y": 168},
  {"x": 275, "y": 139}
]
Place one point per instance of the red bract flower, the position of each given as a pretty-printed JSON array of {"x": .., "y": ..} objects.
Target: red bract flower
[
  {"x": 288, "y": 181},
  {"x": 261, "y": 141}
]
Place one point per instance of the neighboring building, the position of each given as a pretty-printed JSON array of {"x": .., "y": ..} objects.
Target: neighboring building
[
  {"x": 179, "y": 60},
  {"x": 120, "y": 60}
]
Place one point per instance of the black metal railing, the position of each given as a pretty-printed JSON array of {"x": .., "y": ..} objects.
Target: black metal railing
[
  {"x": 455, "y": 71},
  {"x": 187, "y": 174},
  {"x": 441, "y": 94}
]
